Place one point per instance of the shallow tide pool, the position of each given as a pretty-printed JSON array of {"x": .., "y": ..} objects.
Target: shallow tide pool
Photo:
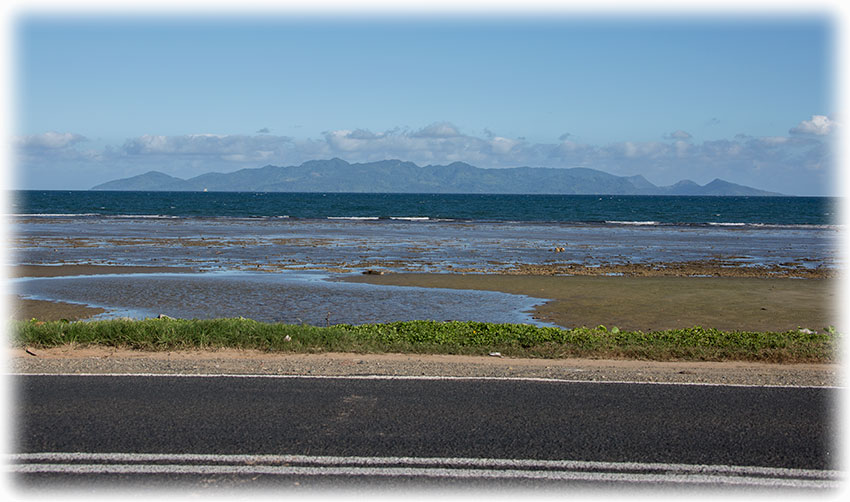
[{"x": 288, "y": 297}]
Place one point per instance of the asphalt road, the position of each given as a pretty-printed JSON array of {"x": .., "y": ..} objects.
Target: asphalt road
[{"x": 245, "y": 431}]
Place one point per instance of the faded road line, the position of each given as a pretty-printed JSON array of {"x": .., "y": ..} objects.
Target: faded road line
[
  {"x": 421, "y": 377},
  {"x": 420, "y": 467}
]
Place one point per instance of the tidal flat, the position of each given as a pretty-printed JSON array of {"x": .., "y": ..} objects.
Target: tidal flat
[
  {"x": 653, "y": 303},
  {"x": 310, "y": 271}
]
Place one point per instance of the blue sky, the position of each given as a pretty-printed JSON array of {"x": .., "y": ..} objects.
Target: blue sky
[{"x": 746, "y": 99}]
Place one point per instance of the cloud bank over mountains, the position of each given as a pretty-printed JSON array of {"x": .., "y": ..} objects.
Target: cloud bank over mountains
[{"x": 799, "y": 163}]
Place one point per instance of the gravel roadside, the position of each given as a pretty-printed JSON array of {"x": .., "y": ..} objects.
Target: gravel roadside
[{"x": 237, "y": 362}]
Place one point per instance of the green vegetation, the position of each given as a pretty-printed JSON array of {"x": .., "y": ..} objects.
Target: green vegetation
[{"x": 431, "y": 337}]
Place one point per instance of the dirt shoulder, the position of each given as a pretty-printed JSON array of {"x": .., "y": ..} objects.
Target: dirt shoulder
[{"x": 233, "y": 362}]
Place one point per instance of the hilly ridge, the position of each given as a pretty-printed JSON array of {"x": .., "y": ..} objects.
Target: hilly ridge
[{"x": 396, "y": 176}]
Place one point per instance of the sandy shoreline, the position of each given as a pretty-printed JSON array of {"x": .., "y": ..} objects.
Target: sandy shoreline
[
  {"x": 96, "y": 360},
  {"x": 632, "y": 303}
]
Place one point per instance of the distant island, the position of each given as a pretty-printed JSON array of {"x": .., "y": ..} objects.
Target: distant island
[{"x": 396, "y": 176}]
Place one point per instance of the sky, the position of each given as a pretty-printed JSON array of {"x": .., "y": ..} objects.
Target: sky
[{"x": 750, "y": 99}]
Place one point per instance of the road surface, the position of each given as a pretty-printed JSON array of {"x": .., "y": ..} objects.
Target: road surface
[{"x": 234, "y": 431}]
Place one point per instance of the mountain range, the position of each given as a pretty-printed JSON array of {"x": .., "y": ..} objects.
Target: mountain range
[{"x": 396, "y": 176}]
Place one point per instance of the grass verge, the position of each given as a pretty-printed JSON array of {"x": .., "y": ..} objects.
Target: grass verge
[{"x": 431, "y": 337}]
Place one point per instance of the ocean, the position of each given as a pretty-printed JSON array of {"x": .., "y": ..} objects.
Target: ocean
[
  {"x": 576, "y": 209},
  {"x": 275, "y": 256}
]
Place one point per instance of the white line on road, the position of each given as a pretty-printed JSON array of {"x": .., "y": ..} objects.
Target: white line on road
[
  {"x": 421, "y": 377},
  {"x": 456, "y": 461},
  {"x": 430, "y": 467},
  {"x": 428, "y": 472}
]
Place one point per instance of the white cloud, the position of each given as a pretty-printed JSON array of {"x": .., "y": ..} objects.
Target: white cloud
[
  {"x": 569, "y": 147},
  {"x": 438, "y": 142},
  {"x": 50, "y": 140},
  {"x": 682, "y": 148},
  {"x": 236, "y": 157},
  {"x": 678, "y": 134},
  {"x": 235, "y": 146},
  {"x": 342, "y": 140},
  {"x": 633, "y": 149},
  {"x": 51, "y": 148},
  {"x": 501, "y": 146},
  {"x": 363, "y": 134},
  {"x": 438, "y": 130},
  {"x": 774, "y": 140},
  {"x": 819, "y": 125}
]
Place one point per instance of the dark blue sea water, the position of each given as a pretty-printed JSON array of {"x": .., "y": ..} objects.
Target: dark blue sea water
[{"x": 590, "y": 209}]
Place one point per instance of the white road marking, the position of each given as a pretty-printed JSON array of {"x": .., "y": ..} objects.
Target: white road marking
[
  {"x": 428, "y": 467},
  {"x": 457, "y": 461},
  {"x": 421, "y": 377}
]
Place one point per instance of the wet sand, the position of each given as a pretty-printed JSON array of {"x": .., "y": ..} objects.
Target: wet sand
[
  {"x": 24, "y": 310},
  {"x": 72, "y": 269},
  {"x": 654, "y": 303}
]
